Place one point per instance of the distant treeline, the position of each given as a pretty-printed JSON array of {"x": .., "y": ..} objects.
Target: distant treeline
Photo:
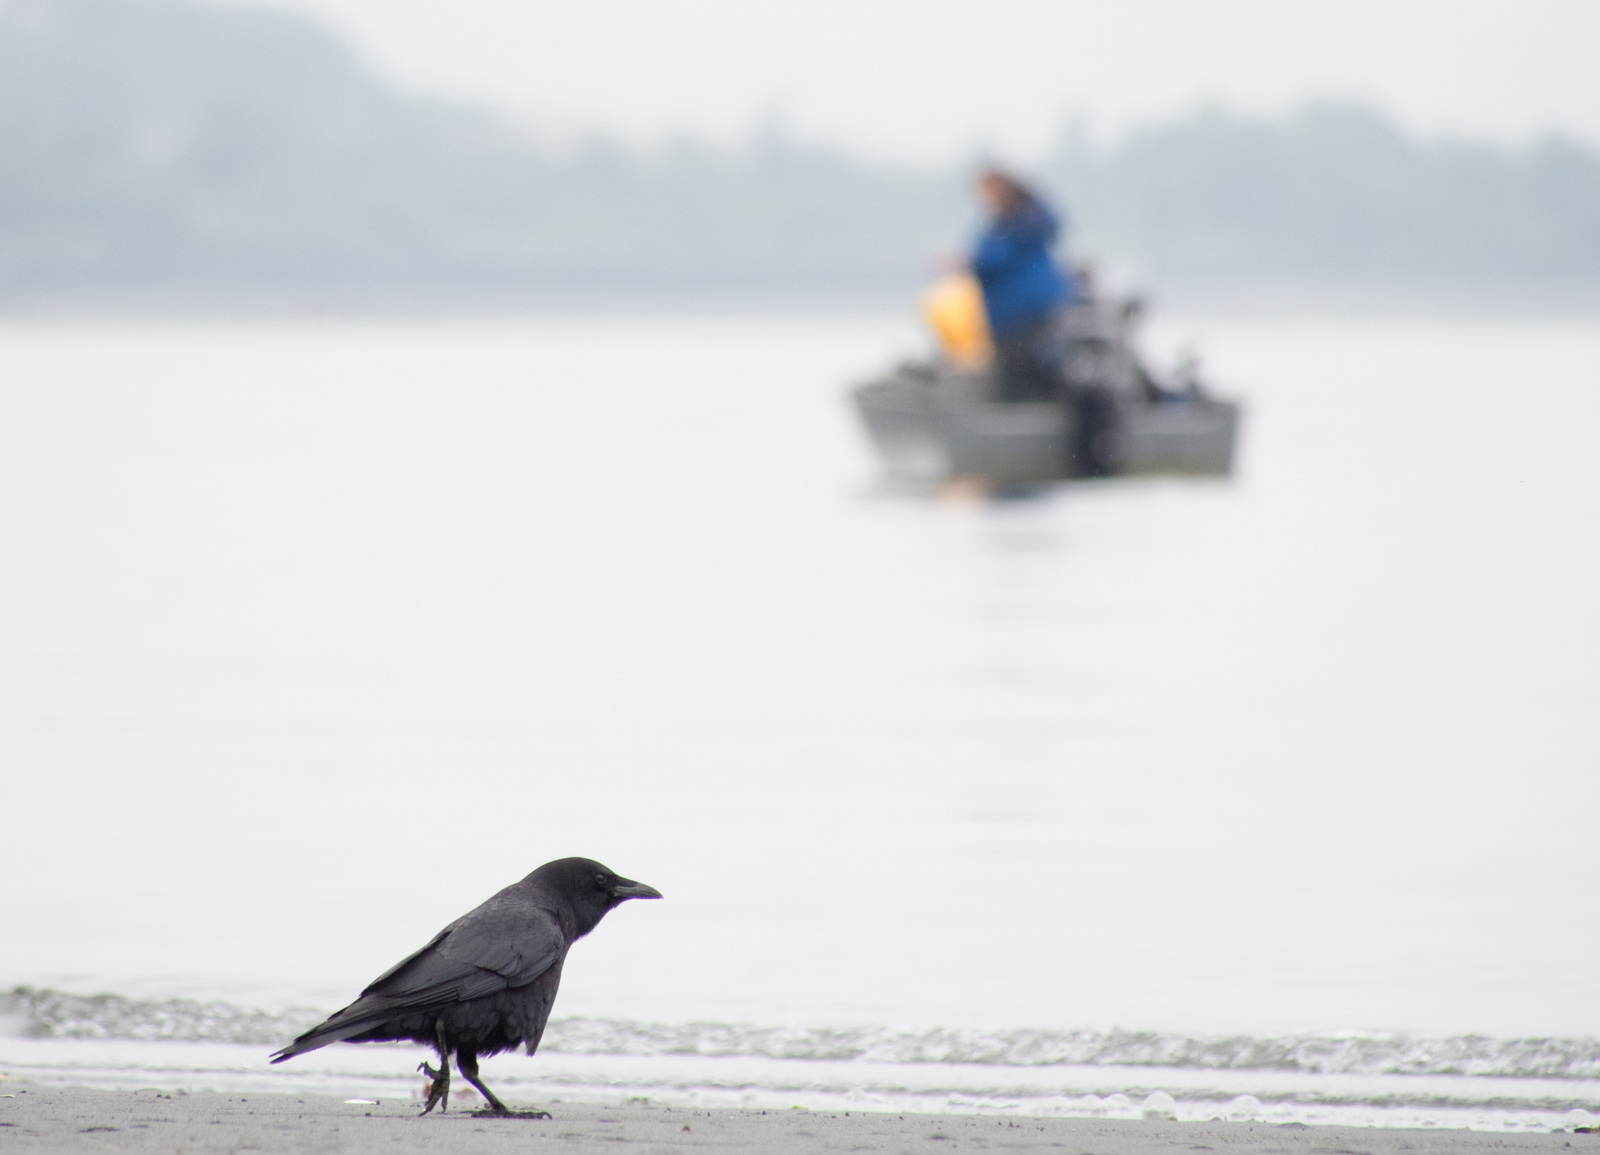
[
  {"x": 160, "y": 144},
  {"x": 1335, "y": 194}
]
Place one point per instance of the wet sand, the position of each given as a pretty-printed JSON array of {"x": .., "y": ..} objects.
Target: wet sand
[{"x": 74, "y": 1119}]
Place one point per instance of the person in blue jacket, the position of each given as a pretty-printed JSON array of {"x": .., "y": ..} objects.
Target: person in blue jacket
[{"x": 1023, "y": 288}]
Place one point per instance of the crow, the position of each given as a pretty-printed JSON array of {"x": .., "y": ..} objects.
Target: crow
[{"x": 486, "y": 982}]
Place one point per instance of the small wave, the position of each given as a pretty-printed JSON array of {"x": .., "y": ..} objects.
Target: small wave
[
  {"x": 45, "y": 1013},
  {"x": 52, "y": 1014},
  {"x": 1369, "y": 1054}
]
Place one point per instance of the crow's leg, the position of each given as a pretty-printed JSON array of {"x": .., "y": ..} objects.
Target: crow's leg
[
  {"x": 439, "y": 1088},
  {"x": 467, "y": 1060}
]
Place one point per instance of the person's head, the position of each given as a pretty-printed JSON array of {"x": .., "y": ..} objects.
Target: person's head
[{"x": 1003, "y": 193}]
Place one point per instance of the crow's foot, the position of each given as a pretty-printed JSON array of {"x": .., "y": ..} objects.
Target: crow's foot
[
  {"x": 439, "y": 1081},
  {"x": 438, "y": 1085},
  {"x": 508, "y": 1113}
]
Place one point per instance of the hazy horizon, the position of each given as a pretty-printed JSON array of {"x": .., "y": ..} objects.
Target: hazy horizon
[
  {"x": 173, "y": 147},
  {"x": 936, "y": 84}
]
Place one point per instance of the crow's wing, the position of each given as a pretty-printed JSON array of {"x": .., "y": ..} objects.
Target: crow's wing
[{"x": 506, "y": 943}]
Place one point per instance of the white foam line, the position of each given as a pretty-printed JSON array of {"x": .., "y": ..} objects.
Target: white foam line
[{"x": 390, "y": 1072}]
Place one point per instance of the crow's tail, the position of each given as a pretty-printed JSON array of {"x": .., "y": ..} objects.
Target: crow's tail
[
  {"x": 319, "y": 1037},
  {"x": 359, "y": 1017}
]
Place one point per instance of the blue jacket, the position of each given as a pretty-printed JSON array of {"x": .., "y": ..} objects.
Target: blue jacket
[{"x": 1021, "y": 283}]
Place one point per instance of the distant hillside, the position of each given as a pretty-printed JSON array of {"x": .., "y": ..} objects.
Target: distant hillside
[
  {"x": 1335, "y": 194},
  {"x": 165, "y": 145},
  {"x": 157, "y": 143}
]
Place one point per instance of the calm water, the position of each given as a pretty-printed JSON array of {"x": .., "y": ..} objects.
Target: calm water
[{"x": 314, "y": 635}]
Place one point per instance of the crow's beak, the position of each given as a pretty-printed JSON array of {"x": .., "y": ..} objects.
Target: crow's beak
[{"x": 627, "y": 888}]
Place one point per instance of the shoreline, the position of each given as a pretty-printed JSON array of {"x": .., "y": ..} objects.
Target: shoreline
[
  {"x": 39, "y": 1118},
  {"x": 1488, "y": 1104}
]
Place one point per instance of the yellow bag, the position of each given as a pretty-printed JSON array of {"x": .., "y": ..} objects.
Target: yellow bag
[{"x": 954, "y": 307}]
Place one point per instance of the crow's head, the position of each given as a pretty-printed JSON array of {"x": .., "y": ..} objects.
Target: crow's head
[{"x": 590, "y": 889}]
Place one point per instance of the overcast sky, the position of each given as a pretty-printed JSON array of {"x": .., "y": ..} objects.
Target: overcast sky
[{"x": 935, "y": 79}]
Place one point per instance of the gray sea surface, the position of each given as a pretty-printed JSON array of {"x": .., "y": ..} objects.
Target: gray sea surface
[{"x": 313, "y": 634}]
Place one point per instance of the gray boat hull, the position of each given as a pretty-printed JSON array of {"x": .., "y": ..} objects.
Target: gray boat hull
[{"x": 932, "y": 422}]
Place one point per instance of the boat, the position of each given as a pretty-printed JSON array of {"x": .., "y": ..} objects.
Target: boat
[{"x": 935, "y": 420}]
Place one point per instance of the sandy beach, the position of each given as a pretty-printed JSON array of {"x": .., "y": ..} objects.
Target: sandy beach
[{"x": 72, "y": 1119}]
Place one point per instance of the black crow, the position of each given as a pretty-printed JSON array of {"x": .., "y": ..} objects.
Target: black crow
[{"x": 486, "y": 982}]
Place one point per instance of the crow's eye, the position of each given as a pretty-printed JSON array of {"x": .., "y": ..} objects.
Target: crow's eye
[{"x": 600, "y": 880}]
